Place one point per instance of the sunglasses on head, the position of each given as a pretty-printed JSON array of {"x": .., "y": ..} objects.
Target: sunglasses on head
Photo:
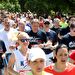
[{"x": 24, "y": 40}]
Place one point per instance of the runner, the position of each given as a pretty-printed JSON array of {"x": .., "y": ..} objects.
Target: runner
[
  {"x": 37, "y": 60},
  {"x": 19, "y": 57},
  {"x": 61, "y": 66}
]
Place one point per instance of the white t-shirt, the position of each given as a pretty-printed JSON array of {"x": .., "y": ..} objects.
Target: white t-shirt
[
  {"x": 4, "y": 36},
  {"x": 1, "y": 26}
]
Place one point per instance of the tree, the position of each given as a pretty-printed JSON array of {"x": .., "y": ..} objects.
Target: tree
[
  {"x": 10, "y": 5},
  {"x": 41, "y": 6}
]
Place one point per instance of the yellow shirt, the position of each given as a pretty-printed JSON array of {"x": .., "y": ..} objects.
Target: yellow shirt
[{"x": 43, "y": 73}]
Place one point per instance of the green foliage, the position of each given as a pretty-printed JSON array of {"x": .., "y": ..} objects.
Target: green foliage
[
  {"x": 36, "y": 6},
  {"x": 1, "y": 6},
  {"x": 10, "y": 7},
  {"x": 39, "y": 6}
]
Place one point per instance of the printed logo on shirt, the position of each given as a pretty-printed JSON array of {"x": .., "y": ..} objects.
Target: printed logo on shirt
[
  {"x": 23, "y": 64},
  {"x": 34, "y": 39},
  {"x": 72, "y": 44}
]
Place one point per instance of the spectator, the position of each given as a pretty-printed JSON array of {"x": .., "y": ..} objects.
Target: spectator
[{"x": 61, "y": 66}]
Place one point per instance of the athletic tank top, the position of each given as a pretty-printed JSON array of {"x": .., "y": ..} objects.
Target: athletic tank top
[{"x": 21, "y": 62}]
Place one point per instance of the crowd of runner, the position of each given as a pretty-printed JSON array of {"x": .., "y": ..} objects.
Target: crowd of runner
[{"x": 34, "y": 45}]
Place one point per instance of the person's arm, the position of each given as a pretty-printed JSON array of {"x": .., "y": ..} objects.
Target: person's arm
[
  {"x": 3, "y": 46},
  {"x": 48, "y": 44},
  {"x": 10, "y": 65}
]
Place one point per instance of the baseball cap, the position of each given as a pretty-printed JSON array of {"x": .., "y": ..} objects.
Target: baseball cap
[{"x": 36, "y": 53}]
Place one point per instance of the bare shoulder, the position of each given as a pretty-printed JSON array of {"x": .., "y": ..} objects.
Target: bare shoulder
[{"x": 11, "y": 59}]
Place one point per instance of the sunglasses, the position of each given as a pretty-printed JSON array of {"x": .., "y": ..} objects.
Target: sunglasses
[{"x": 24, "y": 40}]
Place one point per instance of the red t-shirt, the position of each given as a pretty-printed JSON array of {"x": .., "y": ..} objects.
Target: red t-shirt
[{"x": 69, "y": 71}]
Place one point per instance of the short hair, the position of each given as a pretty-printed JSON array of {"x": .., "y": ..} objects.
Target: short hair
[
  {"x": 35, "y": 21},
  {"x": 21, "y": 34}
]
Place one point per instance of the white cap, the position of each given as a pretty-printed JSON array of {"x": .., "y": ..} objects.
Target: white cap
[{"x": 36, "y": 53}]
